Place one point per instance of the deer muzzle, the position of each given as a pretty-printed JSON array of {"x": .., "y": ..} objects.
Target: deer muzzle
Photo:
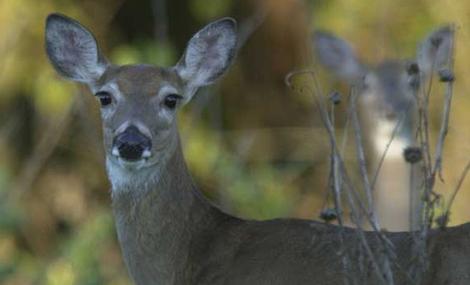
[{"x": 132, "y": 145}]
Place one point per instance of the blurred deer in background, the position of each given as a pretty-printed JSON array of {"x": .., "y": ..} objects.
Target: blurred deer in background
[
  {"x": 388, "y": 108},
  {"x": 168, "y": 231}
]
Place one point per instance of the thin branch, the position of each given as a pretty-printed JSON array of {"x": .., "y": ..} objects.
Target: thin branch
[
  {"x": 385, "y": 274},
  {"x": 160, "y": 18},
  {"x": 446, "y": 115},
  {"x": 387, "y": 146},
  {"x": 457, "y": 189},
  {"x": 250, "y": 25},
  {"x": 361, "y": 159}
]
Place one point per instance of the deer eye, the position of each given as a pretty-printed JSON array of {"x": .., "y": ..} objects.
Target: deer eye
[
  {"x": 171, "y": 101},
  {"x": 104, "y": 97}
]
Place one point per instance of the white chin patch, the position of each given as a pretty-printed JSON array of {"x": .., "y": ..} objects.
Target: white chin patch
[
  {"x": 115, "y": 152},
  {"x": 132, "y": 165},
  {"x": 382, "y": 137},
  {"x": 146, "y": 154},
  {"x": 129, "y": 165},
  {"x": 130, "y": 175},
  {"x": 136, "y": 176}
]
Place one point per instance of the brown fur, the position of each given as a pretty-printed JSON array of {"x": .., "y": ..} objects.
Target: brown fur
[{"x": 173, "y": 235}]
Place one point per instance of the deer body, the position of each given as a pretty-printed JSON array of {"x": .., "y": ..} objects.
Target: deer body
[
  {"x": 173, "y": 235},
  {"x": 169, "y": 233}
]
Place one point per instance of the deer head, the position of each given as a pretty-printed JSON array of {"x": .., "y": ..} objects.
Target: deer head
[
  {"x": 388, "y": 90},
  {"x": 388, "y": 99},
  {"x": 139, "y": 102}
]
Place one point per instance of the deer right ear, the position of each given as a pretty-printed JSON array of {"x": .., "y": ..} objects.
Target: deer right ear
[
  {"x": 73, "y": 50},
  {"x": 209, "y": 53},
  {"x": 435, "y": 50},
  {"x": 338, "y": 56}
]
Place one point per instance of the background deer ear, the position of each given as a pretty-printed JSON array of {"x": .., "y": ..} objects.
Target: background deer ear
[
  {"x": 209, "y": 53},
  {"x": 434, "y": 52},
  {"x": 73, "y": 50},
  {"x": 337, "y": 56}
]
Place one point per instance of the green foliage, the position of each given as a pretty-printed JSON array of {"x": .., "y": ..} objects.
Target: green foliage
[
  {"x": 205, "y": 10},
  {"x": 151, "y": 52},
  {"x": 92, "y": 238},
  {"x": 256, "y": 192},
  {"x": 52, "y": 96}
]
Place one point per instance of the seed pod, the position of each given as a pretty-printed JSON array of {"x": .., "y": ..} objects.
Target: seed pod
[
  {"x": 413, "y": 154},
  {"x": 436, "y": 42},
  {"x": 412, "y": 68},
  {"x": 446, "y": 75},
  {"x": 335, "y": 97},
  {"x": 328, "y": 215},
  {"x": 442, "y": 220}
]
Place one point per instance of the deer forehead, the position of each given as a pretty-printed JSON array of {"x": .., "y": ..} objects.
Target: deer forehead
[
  {"x": 390, "y": 82},
  {"x": 392, "y": 75},
  {"x": 141, "y": 80}
]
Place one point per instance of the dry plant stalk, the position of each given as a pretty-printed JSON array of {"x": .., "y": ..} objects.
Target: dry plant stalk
[{"x": 381, "y": 255}]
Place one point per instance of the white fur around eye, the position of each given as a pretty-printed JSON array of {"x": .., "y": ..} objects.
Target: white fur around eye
[
  {"x": 117, "y": 97},
  {"x": 166, "y": 90},
  {"x": 164, "y": 113}
]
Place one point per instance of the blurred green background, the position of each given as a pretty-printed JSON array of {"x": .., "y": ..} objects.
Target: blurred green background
[{"x": 254, "y": 147}]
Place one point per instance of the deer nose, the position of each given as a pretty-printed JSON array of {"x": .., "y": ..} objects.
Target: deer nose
[{"x": 132, "y": 144}]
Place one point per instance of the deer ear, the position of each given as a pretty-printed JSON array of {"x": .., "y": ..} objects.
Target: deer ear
[
  {"x": 209, "y": 53},
  {"x": 337, "y": 56},
  {"x": 73, "y": 50},
  {"x": 434, "y": 52}
]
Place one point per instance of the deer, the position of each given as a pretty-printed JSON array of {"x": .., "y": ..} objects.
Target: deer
[
  {"x": 169, "y": 233},
  {"x": 388, "y": 107}
]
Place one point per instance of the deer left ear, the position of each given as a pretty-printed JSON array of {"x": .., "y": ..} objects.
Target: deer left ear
[
  {"x": 209, "y": 53},
  {"x": 73, "y": 50},
  {"x": 435, "y": 50},
  {"x": 338, "y": 56}
]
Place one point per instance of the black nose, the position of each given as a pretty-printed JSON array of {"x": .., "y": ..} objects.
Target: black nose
[{"x": 131, "y": 144}]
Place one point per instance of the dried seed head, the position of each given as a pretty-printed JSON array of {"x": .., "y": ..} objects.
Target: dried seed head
[
  {"x": 335, "y": 97},
  {"x": 413, "y": 154},
  {"x": 328, "y": 215},
  {"x": 446, "y": 75},
  {"x": 436, "y": 41},
  {"x": 412, "y": 68},
  {"x": 414, "y": 82},
  {"x": 442, "y": 220}
]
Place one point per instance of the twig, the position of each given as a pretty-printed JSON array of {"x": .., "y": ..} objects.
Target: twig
[
  {"x": 367, "y": 186},
  {"x": 337, "y": 185},
  {"x": 446, "y": 115},
  {"x": 385, "y": 274},
  {"x": 457, "y": 188},
  {"x": 362, "y": 160},
  {"x": 430, "y": 169},
  {"x": 330, "y": 131},
  {"x": 160, "y": 18},
  {"x": 250, "y": 25},
  {"x": 387, "y": 146}
]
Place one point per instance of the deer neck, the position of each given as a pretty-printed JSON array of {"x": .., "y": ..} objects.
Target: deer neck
[
  {"x": 393, "y": 180},
  {"x": 156, "y": 222}
]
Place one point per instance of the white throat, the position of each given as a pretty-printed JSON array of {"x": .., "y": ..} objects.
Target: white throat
[
  {"x": 382, "y": 134},
  {"x": 126, "y": 178}
]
